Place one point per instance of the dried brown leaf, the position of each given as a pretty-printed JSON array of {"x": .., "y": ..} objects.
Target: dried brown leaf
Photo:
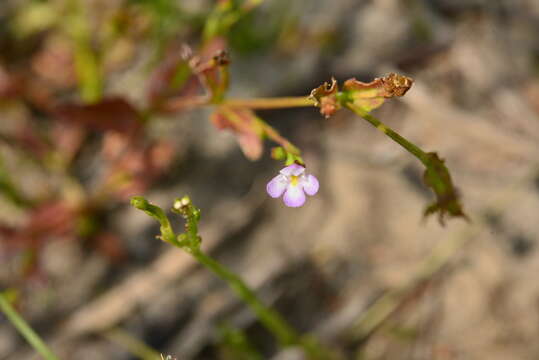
[
  {"x": 438, "y": 178},
  {"x": 372, "y": 95},
  {"x": 325, "y": 97}
]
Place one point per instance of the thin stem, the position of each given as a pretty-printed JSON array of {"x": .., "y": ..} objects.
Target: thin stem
[
  {"x": 270, "y": 103},
  {"x": 87, "y": 63},
  {"x": 269, "y": 317},
  {"x": 177, "y": 104},
  {"x": 25, "y": 330},
  {"x": 409, "y": 146}
]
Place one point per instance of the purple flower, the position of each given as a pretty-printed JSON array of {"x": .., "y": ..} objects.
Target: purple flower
[{"x": 294, "y": 183}]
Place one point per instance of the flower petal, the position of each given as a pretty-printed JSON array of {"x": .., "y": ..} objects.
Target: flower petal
[
  {"x": 277, "y": 186},
  {"x": 310, "y": 184},
  {"x": 293, "y": 169},
  {"x": 294, "y": 196}
]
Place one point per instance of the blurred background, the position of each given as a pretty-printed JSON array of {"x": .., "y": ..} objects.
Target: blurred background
[{"x": 357, "y": 266}]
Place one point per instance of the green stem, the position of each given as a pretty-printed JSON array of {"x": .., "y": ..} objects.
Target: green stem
[
  {"x": 270, "y": 103},
  {"x": 269, "y": 317},
  {"x": 189, "y": 241},
  {"x": 409, "y": 146},
  {"x": 87, "y": 64},
  {"x": 25, "y": 330}
]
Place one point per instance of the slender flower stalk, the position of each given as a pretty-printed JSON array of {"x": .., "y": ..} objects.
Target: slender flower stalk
[
  {"x": 409, "y": 146},
  {"x": 270, "y": 103}
]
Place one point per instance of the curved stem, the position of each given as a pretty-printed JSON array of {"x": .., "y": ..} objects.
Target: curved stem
[
  {"x": 269, "y": 317},
  {"x": 25, "y": 330},
  {"x": 270, "y": 103},
  {"x": 409, "y": 146}
]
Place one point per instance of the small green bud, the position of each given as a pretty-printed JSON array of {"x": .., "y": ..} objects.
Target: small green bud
[
  {"x": 139, "y": 202},
  {"x": 278, "y": 153}
]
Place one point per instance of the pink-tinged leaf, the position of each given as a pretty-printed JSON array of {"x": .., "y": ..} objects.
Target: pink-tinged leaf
[
  {"x": 54, "y": 219},
  {"x": 173, "y": 77},
  {"x": 249, "y": 129},
  {"x": 112, "y": 114},
  {"x": 372, "y": 95},
  {"x": 186, "y": 79},
  {"x": 251, "y": 146}
]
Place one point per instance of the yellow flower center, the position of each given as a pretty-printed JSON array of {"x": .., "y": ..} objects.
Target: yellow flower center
[{"x": 294, "y": 180}]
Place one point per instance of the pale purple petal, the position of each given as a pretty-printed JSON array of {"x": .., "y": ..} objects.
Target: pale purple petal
[
  {"x": 310, "y": 184},
  {"x": 277, "y": 186},
  {"x": 293, "y": 169},
  {"x": 294, "y": 196}
]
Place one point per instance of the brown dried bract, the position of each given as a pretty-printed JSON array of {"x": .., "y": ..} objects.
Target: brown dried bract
[
  {"x": 388, "y": 86},
  {"x": 396, "y": 85},
  {"x": 372, "y": 95},
  {"x": 325, "y": 97}
]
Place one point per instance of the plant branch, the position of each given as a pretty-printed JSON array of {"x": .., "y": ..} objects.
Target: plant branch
[{"x": 189, "y": 241}]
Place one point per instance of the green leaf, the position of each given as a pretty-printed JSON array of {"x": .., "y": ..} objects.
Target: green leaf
[{"x": 447, "y": 202}]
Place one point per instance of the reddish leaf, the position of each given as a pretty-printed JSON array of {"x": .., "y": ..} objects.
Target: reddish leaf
[
  {"x": 53, "y": 219},
  {"x": 179, "y": 81},
  {"x": 246, "y": 125},
  {"x": 112, "y": 114},
  {"x": 173, "y": 77}
]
